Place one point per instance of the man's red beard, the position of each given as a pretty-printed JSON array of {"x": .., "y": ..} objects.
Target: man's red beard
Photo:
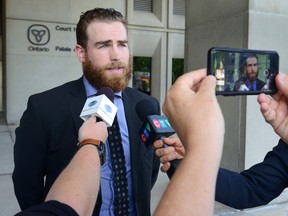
[
  {"x": 253, "y": 76},
  {"x": 99, "y": 77}
]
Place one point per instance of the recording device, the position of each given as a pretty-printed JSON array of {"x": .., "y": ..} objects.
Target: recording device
[
  {"x": 154, "y": 127},
  {"x": 100, "y": 105},
  {"x": 243, "y": 71}
]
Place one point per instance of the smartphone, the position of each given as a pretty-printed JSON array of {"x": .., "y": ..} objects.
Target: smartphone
[{"x": 243, "y": 71}]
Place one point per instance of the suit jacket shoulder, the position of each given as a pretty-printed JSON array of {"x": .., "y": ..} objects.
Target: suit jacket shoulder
[
  {"x": 73, "y": 88},
  {"x": 46, "y": 140}
]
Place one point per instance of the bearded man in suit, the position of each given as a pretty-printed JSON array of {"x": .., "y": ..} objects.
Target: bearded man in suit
[
  {"x": 46, "y": 139},
  {"x": 249, "y": 81}
]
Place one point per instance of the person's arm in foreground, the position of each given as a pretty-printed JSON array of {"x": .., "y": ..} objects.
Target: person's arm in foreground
[
  {"x": 200, "y": 126},
  {"x": 78, "y": 184},
  {"x": 274, "y": 109},
  {"x": 264, "y": 181}
]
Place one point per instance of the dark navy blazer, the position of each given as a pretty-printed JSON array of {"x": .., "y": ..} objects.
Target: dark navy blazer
[
  {"x": 255, "y": 186},
  {"x": 47, "y": 137}
]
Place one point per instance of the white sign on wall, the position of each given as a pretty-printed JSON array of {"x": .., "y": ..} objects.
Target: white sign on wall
[{"x": 40, "y": 38}]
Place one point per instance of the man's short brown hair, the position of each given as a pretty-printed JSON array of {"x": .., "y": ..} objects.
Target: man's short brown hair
[{"x": 96, "y": 14}]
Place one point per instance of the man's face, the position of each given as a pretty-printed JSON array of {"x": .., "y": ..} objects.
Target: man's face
[
  {"x": 251, "y": 68},
  {"x": 107, "y": 61}
]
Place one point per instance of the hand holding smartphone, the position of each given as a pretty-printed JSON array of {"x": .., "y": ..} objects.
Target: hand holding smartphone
[{"x": 243, "y": 71}]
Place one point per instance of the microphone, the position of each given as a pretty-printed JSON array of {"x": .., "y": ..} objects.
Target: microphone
[
  {"x": 100, "y": 105},
  {"x": 155, "y": 127}
]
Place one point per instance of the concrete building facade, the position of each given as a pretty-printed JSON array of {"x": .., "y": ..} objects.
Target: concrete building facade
[
  {"x": 253, "y": 24},
  {"x": 35, "y": 62},
  {"x": 38, "y": 38}
]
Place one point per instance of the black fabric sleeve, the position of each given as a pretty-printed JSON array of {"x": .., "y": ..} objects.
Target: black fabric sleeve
[
  {"x": 49, "y": 208},
  {"x": 257, "y": 185},
  {"x": 29, "y": 158}
]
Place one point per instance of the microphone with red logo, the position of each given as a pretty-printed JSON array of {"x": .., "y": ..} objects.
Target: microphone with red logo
[{"x": 154, "y": 127}]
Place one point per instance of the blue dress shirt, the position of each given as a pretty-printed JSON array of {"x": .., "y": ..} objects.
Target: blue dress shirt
[
  {"x": 253, "y": 86},
  {"x": 106, "y": 173}
]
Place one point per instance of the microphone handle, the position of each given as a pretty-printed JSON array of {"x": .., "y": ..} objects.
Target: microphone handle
[
  {"x": 98, "y": 119},
  {"x": 173, "y": 166}
]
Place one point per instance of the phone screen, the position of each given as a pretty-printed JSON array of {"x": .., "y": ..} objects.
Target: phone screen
[{"x": 243, "y": 71}]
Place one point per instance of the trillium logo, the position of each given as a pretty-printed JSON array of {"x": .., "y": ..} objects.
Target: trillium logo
[{"x": 38, "y": 34}]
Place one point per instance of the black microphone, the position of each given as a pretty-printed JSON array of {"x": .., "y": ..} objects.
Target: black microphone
[
  {"x": 155, "y": 127},
  {"x": 106, "y": 91}
]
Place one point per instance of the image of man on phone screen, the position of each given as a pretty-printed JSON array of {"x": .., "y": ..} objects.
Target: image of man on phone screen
[{"x": 249, "y": 80}]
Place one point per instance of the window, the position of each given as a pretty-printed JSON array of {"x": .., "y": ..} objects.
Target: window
[
  {"x": 177, "y": 68},
  {"x": 143, "y": 5},
  {"x": 179, "y": 7},
  {"x": 142, "y": 74}
]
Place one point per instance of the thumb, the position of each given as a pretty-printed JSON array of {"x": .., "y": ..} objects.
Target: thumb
[
  {"x": 208, "y": 85},
  {"x": 282, "y": 83},
  {"x": 92, "y": 118}
]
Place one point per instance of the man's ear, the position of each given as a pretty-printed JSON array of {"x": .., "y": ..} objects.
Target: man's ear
[{"x": 80, "y": 52}]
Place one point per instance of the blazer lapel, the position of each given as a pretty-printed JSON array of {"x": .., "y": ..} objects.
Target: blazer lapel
[
  {"x": 133, "y": 124},
  {"x": 78, "y": 100}
]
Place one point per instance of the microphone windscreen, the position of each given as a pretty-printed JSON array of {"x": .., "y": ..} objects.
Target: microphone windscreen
[
  {"x": 106, "y": 91},
  {"x": 146, "y": 108}
]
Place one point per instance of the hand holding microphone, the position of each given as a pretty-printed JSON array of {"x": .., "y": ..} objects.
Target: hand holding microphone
[
  {"x": 168, "y": 149},
  {"x": 193, "y": 111},
  {"x": 101, "y": 105},
  {"x": 155, "y": 128},
  {"x": 93, "y": 129}
]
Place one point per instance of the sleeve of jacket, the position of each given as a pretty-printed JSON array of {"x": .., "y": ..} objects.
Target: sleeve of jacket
[
  {"x": 29, "y": 158},
  {"x": 258, "y": 185}
]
